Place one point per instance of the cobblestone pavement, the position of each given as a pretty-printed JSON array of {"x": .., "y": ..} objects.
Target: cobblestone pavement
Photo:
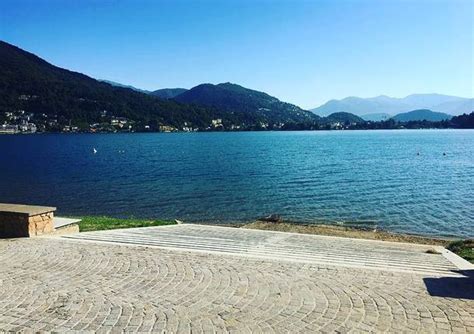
[{"x": 66, "y": 284}]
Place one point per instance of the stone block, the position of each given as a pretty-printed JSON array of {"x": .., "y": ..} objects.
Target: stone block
[{"x": 25, "y": 220}]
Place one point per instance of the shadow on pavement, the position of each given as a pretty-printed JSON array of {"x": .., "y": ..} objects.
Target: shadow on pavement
[{"x": 452, "y": 287}]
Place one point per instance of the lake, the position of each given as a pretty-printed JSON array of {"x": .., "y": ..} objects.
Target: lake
[{"x": 418, "y": 181}]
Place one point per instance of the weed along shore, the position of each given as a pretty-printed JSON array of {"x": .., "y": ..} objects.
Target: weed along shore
[{"x": 97, "y": 223}]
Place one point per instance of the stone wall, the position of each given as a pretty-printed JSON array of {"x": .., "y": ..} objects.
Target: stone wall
[
  {"x": 14, "y": 224},
  {"x": 40, "y": 224}
]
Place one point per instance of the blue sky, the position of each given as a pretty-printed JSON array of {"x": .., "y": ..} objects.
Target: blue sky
[{"x": 304, "y": 52}]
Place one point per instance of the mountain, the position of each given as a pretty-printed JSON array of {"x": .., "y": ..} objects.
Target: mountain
[
  {"x": 452, "y": 105},
  {"x": 421, "y": 100},
  {"x": 29, "y": 83},
  {"x": 165, "y": 93},
  {"x": 421, "y": 115},
  {"x": 343, "y": 117},
  {"x": 377, "y": 117},
  {"x": 456, "y": 107},
  {"x": 249, "y": 105},
  {"x": 116, "y": 84},
  {"x": 359, "y": 106},
  {"x": 168, "y": 93}
]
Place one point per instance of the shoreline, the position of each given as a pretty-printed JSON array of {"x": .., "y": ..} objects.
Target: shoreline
[
  {"x": 461, "y": 246},
  {"x": 349, "y": 229},
  {"x": 348, "y": 232},
  {"x": 224, "y": 131},
  {"x": 337, "y": 231}
]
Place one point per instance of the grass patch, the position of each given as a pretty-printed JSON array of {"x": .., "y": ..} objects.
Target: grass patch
[
  {"x": 96, "y": 223},
  {"x": 463, "y": 248}
]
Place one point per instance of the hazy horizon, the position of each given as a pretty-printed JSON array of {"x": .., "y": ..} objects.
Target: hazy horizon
[{"x": 304, "y": 53}]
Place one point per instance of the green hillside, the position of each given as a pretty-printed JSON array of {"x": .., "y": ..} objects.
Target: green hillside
[
  {"x": 249, "y": 105},
  {"x": 29, "y": 83},
  {"x": 421, "y": 115}
]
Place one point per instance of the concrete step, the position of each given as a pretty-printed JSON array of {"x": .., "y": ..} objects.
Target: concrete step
[{"x": 64, "y": 226}]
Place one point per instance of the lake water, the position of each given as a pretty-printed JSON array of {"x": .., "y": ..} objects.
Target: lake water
[{"x": 366, "y": 177}]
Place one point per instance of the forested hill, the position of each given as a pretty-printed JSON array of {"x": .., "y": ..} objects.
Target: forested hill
[
  {"x": 249, "y": 105},
  {"x": 343, "y": 117},
  {"x": 29, "y": 83},
  {"x": 36, "y": 96},
  {"x": 420, "y": 115}
]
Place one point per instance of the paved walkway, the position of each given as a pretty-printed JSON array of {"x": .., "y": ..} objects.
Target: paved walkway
[{"x": 195, "y": 278}]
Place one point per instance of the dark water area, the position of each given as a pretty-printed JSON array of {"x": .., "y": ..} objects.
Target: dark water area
[{"x": 419, "y": 181}]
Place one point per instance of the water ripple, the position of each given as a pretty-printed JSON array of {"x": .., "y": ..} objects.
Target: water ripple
[{"x": 356, "y": 176}]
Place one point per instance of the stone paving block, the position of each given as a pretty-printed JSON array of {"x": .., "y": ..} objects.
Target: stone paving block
[{"x": 105, "y": 287}]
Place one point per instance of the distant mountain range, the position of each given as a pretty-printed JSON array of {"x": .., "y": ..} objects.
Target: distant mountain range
[
  {"x": 32, "y": 85},
  {"x": 116, "y": 84},
  {"x": 165, "y": 93},
  {"x": 168, "y": 93},
  {"x": 414, "y": 115},
  {"x": 378, "y": 108}
]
